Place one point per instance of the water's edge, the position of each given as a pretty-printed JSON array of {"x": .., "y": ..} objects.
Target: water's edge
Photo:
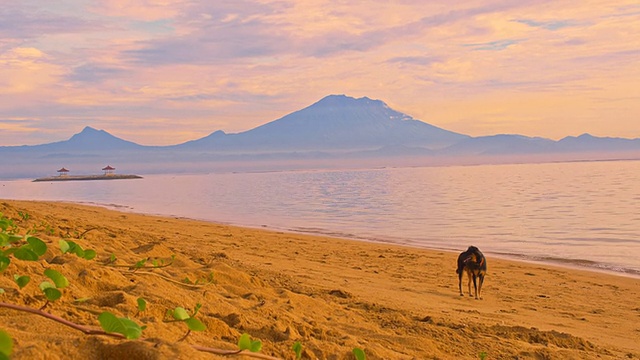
[{"x": 580, "y": 264}]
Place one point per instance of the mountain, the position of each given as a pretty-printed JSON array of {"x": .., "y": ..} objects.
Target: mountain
[
  {"x": 88, "y": 140},
  {"x": 500, "y": 145},
  {"x": 507, "y": 144},
  {"x": 336, "y": 131},
  {"x": 588, "y": 142},
  {"x": 337, "y": 122}
]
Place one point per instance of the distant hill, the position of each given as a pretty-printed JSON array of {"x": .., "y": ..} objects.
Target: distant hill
[
  {"x": 500, "y": 144},
  {"x": 88, "y": 140},
  {"x": 336, "y": 131}
]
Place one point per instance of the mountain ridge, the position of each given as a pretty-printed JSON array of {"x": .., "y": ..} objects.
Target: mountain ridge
[{"x": 337, "y": 128}]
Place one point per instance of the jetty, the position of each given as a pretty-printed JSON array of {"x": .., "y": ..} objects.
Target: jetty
[{"x": 108, "y": 174}]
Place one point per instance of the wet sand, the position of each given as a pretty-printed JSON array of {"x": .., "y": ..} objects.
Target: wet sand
[{"x": 329, "y": 294}]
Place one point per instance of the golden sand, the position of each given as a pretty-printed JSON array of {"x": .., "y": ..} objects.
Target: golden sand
[{"x": 331, "y": 295}]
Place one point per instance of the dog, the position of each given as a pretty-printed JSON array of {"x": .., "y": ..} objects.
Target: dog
[{"x": 474, "y": 264}]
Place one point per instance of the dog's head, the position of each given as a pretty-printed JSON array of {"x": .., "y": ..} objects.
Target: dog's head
[{"x": 471, "y": 258}]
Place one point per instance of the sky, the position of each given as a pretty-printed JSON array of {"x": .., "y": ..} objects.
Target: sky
[{"x": 162, "y": 72}]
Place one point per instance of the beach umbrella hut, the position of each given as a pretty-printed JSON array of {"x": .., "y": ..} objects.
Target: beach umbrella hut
[
  {"x": 108, "y": 170},
  {"x": 62, "y": 172}
]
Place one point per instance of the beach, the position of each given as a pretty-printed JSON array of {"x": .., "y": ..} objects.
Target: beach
[{"x": 329, "y": 294}]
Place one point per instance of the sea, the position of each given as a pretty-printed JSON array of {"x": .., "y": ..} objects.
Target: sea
[{"x": 576, "y": 214}]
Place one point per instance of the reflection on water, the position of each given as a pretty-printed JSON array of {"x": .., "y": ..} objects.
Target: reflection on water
[{"x": 582, "y": 213}]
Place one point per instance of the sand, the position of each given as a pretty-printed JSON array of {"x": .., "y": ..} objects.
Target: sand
[{"x": 331, "y": 295}]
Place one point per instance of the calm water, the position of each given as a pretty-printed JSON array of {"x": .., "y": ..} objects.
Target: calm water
[{"x": 585, "y": 214}]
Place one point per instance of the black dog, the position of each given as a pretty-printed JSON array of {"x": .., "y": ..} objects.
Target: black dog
[{"x": 475, "y": 265}]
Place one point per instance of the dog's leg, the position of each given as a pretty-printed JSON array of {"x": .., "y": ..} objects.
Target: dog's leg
[
  {"x": 469, "y": 275},
  {"x": 460, "y": 282},
  {"x": 481, "y": 278},
  {"x": 475, "y": 286}
]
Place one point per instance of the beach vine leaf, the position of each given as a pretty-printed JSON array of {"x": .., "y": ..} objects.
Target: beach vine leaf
[
  {"x": 64, "y": 246},
  {"x": 140, "y": 264},
  {"x": 21, "y": 281},
  {"x": 50, "y": 291},
  {"x": 7, "y": 239},
  {"x": 6, "y": 345},
  {"x": 24, "y": 253},
  {"x": 124, "y": 326},
  {"x": 72, "y": 247},
  {"x": 6, "y": 224},
  {"x": 359, "y": 354},
  {"x": 142, "y": 304},
  {"x": 36, "y": 245},
  {"x": 57, "y": 278},
  {"x": 31, "y": 251},
  {"x": 4, "y": 263},
  {"x": 181, "y": 314},
  {"x": 297, "y": 348},
  {"x": 245, "y": 343},
  {"x": 90, "y": 254}
]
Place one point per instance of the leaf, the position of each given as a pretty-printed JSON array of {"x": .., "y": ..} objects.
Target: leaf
[
  {"x": 81, "y": 300},
  {"x": 38, "y": 246},
  {"x": 74, "y": 248},
  {"x": 89, "y": 254},
  {"x": 140, "y": 264},
  {"x": 1, "y": 291},
  {"x": 124, "y": 326},
  {"x": 195, "y": 324},
  {"x": 142, "y": 304},
  {"x": 112, "y": 258},
  {"x": 6, "y": 344},
  {"x": 22, "y": 281},
  {"x": 195, "y": 311},
  {"x": 52, "y": 293},
  {"x": 25, "y": 253},
  {"x": 78, "y": 251},
  {"x": 64, "y": 246},
  {"x": 58, "y": 279},
  {"x": 45, "y": 285},
  {"x": 359, "y": 354},
  {"x": 180, "y": 313},
  {"x": 4, "y": 263},
  {"x": 244, "y": 342},
  {"x": 256, "y": 346},
  {"x": 297, "y": 348}
]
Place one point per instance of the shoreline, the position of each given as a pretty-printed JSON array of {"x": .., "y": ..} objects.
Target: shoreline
[
  {"x": 393, "y": 301},
  {"x": 566, "y": 263}
]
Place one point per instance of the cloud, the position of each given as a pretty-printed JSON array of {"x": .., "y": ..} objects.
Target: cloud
[
  {"x": 94, "y": 73},
  {"x": 415, "y": 60},
  {"x": 493, "y": 45},
  {"x": 24, "y": 69},
  {"x": 548, "y": 25},
  {"x": 28, "y": 22}
]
